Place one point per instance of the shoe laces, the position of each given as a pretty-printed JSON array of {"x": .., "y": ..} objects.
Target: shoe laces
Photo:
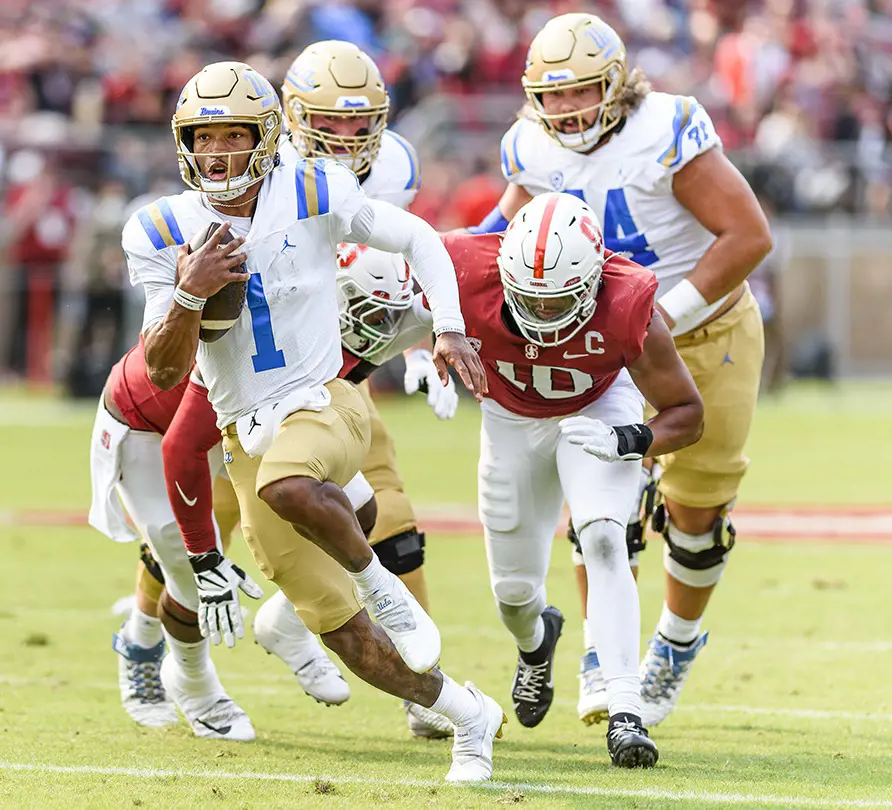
[
  {"x": 318, "y": 669},
  {"x": 425, "y": 716},
  {"x": 663, "y": 675},
  {"x": 622, "y": 728},
  {"x": 145, "y": 681},
  {"x": 530, "y": 681},
  {"x": 592, "y": 679}
]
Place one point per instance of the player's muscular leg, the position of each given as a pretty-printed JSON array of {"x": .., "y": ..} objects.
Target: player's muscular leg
[
  {"x": 178, "y": 621},
  {"x": 368, "y": 652},
  {"x": 320, "y": 511},
  {"x": 683, "y": 600}
]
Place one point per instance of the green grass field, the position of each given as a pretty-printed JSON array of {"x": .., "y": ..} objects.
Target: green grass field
[{"x": 788, "y": 704}]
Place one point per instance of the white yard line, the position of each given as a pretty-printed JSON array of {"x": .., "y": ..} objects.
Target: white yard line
[{"x": 648, "y": 793}]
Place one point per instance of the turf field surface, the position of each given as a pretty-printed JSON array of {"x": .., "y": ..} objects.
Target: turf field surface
[{"x": 787, "y": 706}]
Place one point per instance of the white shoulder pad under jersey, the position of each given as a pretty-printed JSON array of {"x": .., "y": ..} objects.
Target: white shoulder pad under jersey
[
  {"x": 628, "y": 181},
  {"x": 395, "y": 176}
]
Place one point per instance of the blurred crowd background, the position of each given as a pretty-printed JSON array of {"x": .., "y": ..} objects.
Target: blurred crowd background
[{"x": 800, "y": 91}]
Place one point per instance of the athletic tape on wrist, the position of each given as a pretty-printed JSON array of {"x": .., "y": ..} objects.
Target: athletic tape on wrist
[{"x": 189, "y": 301}]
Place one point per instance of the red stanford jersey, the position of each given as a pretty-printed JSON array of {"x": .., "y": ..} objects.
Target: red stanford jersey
[
  {"x": 141, "y": 402},
  {"x": 543, "y": 382}
]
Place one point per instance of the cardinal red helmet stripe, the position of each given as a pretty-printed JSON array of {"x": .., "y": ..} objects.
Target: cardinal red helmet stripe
[{"x": 542, "y": 238}]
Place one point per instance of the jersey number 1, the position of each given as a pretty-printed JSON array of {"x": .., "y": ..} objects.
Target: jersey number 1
[{"x": 267, "y": 356}]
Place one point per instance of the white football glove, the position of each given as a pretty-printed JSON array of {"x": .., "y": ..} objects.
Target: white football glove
[
  {"x": 218, "y": 581},
  {"x": 421, "y": 375},
  {"x": 606, "y": 442}
]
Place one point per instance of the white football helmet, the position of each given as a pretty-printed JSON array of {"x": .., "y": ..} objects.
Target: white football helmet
[
  {"x": 374, "y": 292},
  {"x": 550, "y": 263}
]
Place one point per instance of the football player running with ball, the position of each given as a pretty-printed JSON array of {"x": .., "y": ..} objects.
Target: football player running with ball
[
  {"x": 566, "y": 334},
  {"x": 652, "y": 167},
  {"x": 293, "y": 433},
  {"x": 336, "y": 105}
]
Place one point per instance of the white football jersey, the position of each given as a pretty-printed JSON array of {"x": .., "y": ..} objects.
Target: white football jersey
[
  {"x": 395, "y": 176},
  {"x": 287, "y": 337},
  {"x": 628, "y": 181}
]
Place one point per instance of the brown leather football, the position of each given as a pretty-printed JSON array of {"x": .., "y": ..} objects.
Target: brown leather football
[{"x": 223, "y": 308}]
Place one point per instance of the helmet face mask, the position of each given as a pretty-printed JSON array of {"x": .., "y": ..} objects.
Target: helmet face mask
[
  {"x": 336, "y": 80},
  {"x": 235, "y": 94},
  {"x": 575, "y": 51},
  {"x": 374, "y": 294},
  {"x": 550, "y": 265}
]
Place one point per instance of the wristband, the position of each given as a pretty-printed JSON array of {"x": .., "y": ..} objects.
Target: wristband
[
  {"x": 633, "y": 441},
  {"x": 449, "y": 329},
  {"x": 188, "y": 301},
  {"x": 206, "y": 561},
  {"x": 683, "y": 303}
]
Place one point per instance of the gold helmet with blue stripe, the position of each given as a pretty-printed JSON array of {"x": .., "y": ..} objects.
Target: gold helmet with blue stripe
[
  {"x": 573, "y": 51},
  {"x": 228, "y": 93},
  {"x": 336, "y": 79}
]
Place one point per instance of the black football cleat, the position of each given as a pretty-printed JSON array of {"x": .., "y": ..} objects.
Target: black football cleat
[
  {"x": 628, "y": 743},
  {"x": 533, "y": 688}
]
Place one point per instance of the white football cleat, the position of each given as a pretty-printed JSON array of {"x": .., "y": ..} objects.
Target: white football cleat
[
  {"x": 279, "y": 630},
  {"x": 472, "y": 749},
  {"x": 139, "y": 679},
  {"x": 592, "y": 706},
  {"x": 411, "y": 630},
  {"x": 426, "y": 724},
  {"x": 209, "y": 710}
]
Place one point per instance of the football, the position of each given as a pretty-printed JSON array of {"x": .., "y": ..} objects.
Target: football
[{"x": 223, "y": 308}]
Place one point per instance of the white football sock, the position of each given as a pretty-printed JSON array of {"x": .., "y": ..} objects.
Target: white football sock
[
  {"x": 674, "y": 628},
  {"x": 141, "y": 629},
  {"x": 374, "y": 577},
  {"x": 456, "y": 703},
  {"x": 194, "y": 660},
  {"x": 613, "y": 612},
  {"x": 588, "y": 638},
  {"x": 525, "y": 622}
]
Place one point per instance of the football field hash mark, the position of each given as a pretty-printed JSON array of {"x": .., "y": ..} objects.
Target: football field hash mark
[{"x": 761, "y": 800}]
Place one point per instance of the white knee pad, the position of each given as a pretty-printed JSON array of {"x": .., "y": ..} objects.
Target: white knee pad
[
  {"x": 603, "y": 543},
  {"x": 698, "y": 560}
]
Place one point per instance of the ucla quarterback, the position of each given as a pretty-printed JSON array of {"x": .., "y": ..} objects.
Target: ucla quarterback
[
  {"x": 294, "y": 434},
  {"x": 651, "y": 165},
  {"x": 336, "y": 105}
]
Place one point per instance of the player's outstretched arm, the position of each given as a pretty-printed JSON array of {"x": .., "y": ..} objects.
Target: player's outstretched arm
[
  {"x": 665, "y": 382},
  {"x": 171, "y": 345},
  {"x": 386, "y": 227},
  {"x": 723, "y": 203}
]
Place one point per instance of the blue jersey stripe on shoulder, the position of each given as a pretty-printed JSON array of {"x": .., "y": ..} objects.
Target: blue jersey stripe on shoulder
[
  {"x": 321, "y": 186},
  {"x": 171, "y": 221},
  {"x": 684, "y": 114},
  {"x": 517, "y": 162},
  {"x": 151, "y": 230},
  {"x": 301, "y": 190},
  {"x": 415, "y": 176}
]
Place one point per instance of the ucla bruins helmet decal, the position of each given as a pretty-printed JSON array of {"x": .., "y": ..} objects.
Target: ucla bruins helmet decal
[
  {"x": 336, "y": 79},
  {"x": 228, "y": 93},
  {"x": 572, "y": 51}
]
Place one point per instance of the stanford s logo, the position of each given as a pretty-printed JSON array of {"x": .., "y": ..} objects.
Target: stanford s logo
[
  {"x": 531, "y": 351},
  {"x": 476, "y": 344},
  {"x": 105, "y": 439}
]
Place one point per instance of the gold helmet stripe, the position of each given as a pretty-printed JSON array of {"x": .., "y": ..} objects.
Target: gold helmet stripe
[
  {"x": 160, "y": 225},
  {"x": 684, "y": 112},
  {"x": 312, "y": 188}
]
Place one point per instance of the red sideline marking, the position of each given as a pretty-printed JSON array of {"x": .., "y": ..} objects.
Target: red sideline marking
[{"x": 859, "y": 524}]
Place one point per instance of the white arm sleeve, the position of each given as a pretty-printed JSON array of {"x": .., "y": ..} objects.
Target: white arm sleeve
[
  {"x": 386, "y": 227},
  {"x": 159, "y": 296}
]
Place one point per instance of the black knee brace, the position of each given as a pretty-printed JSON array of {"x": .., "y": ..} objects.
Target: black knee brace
[
  {"x": 151, "y": 564},
  {"x": 723, "y": 537},
  {"x": 402, "y": 553}
]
